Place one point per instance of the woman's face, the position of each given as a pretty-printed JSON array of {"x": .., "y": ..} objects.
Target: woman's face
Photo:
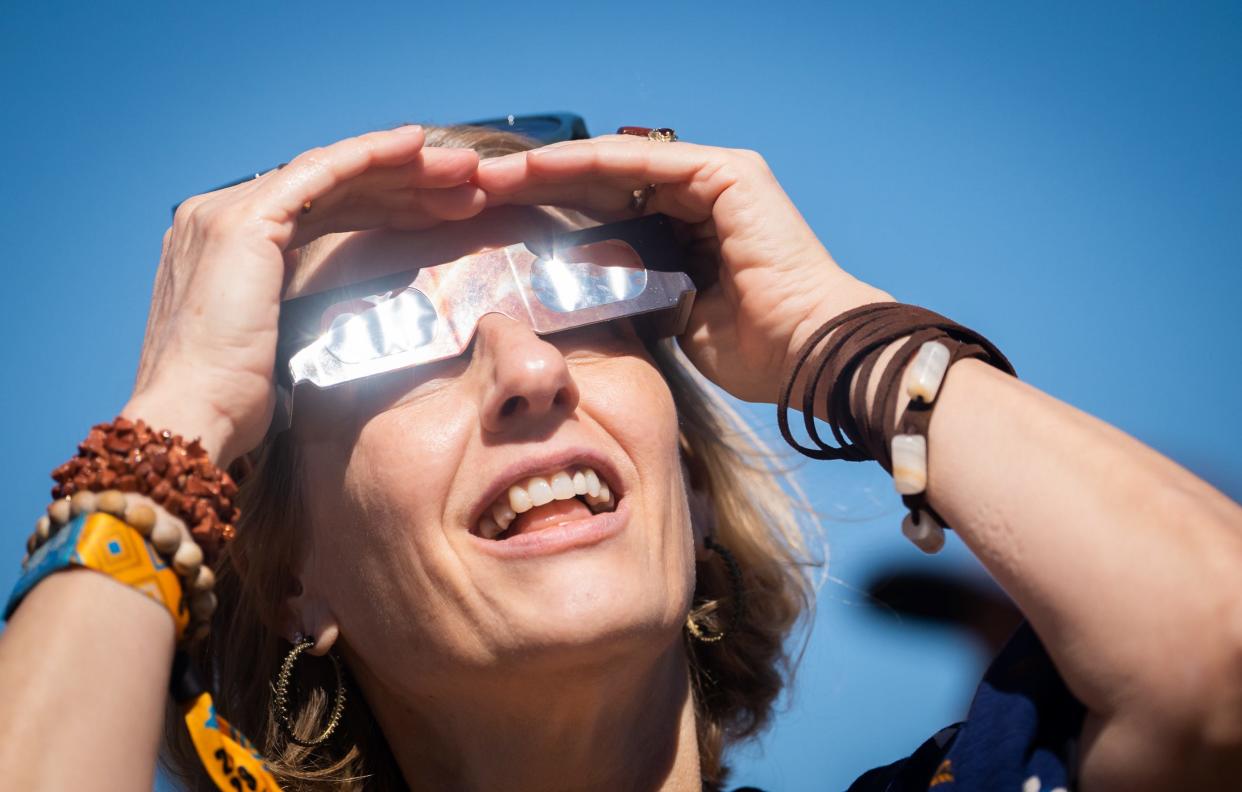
[{"x": 403, "y": 476}]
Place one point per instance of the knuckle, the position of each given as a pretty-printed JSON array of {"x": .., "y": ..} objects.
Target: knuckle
[
  {"x": 367, "y": 140},
  {"x": 187, "y": 210},
  {"x": 209, "y": 219},
  {"x": 225, "y": 219},
  {"x": 753, "y": 158},
  {"x": 311, "y": 158}
]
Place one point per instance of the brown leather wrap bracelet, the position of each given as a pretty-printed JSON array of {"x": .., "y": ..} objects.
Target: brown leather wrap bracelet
[
  {"x": 853, "y": 343},
  {"x": 839, "y": 360}
]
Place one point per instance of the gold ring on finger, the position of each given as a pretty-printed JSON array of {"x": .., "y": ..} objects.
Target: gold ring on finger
[{"x": 640, "y": 197}]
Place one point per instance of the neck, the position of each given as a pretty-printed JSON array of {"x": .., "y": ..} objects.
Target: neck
[{"x": 623, "y": 724}]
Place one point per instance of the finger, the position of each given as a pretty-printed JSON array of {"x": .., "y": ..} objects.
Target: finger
[
  {"x": 708, "y": 328},
  {"x": 400, "y": 209},
  {"x": 314, "y": 173},
  {"x": 695, "y": 232},
  {"x": 451, "y": 203},
  {"x": 597, "y": 197},
  {"x": 645, "y": 162},
  {"x": 608, "y": 198},
  {"x": 691, "y": 177},
  {"x": 431, "y": 168}
]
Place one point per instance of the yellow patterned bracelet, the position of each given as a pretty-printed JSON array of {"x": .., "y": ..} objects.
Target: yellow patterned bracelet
[
  {"x": 101, "y": 542},
  {"x": 107, "y": 544}
]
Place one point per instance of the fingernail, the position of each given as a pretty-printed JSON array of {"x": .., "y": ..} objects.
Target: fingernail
[{"x": 409, "y": 129}]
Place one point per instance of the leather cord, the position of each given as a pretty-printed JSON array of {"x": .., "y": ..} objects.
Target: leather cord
[{"x": 840, "y": 361}]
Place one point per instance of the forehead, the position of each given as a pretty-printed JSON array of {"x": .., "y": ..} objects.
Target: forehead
[{"x": 335, "y": 260}]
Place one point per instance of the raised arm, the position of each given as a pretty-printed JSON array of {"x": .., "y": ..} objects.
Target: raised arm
[
  {"x": 84, "y": 668},
  {"x": 85, "y": 661},
  {"x": 1126, "y": 564}
]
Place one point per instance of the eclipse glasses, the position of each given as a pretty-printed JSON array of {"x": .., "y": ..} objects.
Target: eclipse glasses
[{"x": 632, "y": 269}]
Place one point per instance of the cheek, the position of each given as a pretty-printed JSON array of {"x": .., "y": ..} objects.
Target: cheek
[
  {"x": 395, "y": 472},
  {"x": 402, "y": 466},
  {"x": 633, "y": 404},
  {"x": 376, "y": 532}
]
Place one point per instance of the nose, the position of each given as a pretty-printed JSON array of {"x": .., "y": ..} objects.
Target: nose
[{"x": 526, "y": 379}]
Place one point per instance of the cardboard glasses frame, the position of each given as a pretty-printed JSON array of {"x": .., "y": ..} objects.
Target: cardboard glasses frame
[{"x": 631, "y": 269}]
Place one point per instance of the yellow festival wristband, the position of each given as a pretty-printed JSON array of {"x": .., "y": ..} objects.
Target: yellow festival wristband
[{"x": 106, "y": 544}]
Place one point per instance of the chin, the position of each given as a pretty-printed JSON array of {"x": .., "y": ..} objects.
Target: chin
[{"x": 595, "y": 611}]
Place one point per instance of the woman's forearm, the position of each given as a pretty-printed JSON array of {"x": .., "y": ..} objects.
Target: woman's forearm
[
  {"x": 1128, "y": 566},
  {"x": 84, "y": 666}
]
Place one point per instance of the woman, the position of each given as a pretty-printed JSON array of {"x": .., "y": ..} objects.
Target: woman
[{"x": 575, "y": 650}]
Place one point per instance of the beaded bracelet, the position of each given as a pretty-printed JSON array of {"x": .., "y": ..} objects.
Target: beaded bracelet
[
  {"x": 145, "y": 543},
  {"x": 141, "y": 546},
  {"x": 166, "y": 536},
  {"x": 844, "y": 354},
  {"x": 130, "y": 456}
]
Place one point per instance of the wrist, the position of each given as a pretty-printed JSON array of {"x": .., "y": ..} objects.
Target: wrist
[
  {"x": 187, "y": 417},
  {"x": 92, "y": 536},
  {"x": 882, "y": 363},
  {"x": 841, "y": 297}
]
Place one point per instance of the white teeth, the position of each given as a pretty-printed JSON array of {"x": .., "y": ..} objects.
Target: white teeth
[
  {"x": 540, "y": 491},
  {"x": 488, "y": 528},
  {"x": 537, "y": 491},
  {"x": 602, "y": 500},
  {"x": 503, "y": 514},
  {"x": 562, "y": 486},
  {"x": 519, "y": 500},
  {"x": 602, "y": 496}
]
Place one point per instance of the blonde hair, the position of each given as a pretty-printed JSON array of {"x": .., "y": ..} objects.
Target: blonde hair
[{"x": 736, "y": 681}]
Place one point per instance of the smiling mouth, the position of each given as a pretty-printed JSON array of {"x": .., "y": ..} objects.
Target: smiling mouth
[{"x": 541, "y": 502}]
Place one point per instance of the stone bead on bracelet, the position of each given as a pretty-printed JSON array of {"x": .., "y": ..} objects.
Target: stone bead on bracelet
[
  {"x": 168, "y": 535},
  {"x": 909, "y": 451},
  {"x": 909, "y": 455},
  {"x": 923, "y": 532},
  {"x": 927, "y": 371}
]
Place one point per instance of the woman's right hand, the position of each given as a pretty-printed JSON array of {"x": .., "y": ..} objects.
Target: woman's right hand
[{"x": 209, "y": 353}]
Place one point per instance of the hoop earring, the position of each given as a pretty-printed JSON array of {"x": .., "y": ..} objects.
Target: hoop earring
[
  {"x": 281, "y": 703},
  {"x": 738, "y": 599}
]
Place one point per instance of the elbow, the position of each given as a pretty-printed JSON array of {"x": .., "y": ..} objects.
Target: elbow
[
  {"x": 1188, "y": 733},
  {"x": 1223, "y": 721},
  {"x": 1203, "y": 688},
  {"x": 1221, "y": 725},
  {"x": 1211, "y": 733},
  {"x": 1182, "y": 705}
]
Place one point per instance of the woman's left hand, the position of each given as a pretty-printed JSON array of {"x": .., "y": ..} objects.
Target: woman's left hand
[{"x": 776, "y": 282}]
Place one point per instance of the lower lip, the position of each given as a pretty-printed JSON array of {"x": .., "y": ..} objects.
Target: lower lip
[{"x": 561, "y": 538}]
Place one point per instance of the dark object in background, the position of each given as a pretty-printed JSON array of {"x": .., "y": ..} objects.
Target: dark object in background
[{"x": 974, "y": 604}]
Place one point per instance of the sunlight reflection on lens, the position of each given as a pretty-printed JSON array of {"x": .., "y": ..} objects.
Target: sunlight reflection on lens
[{"x": 393, "y": 326}]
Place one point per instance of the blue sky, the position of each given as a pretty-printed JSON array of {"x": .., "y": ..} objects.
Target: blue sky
[{"x": 1064, "y": 177}]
